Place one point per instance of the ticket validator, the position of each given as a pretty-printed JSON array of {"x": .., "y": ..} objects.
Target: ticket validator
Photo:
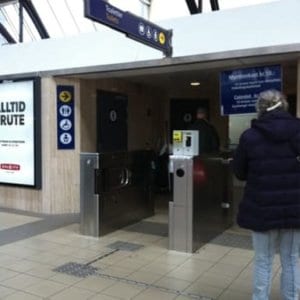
[
  {"x": 202, "y": 194},
  {"x": 183, "y": 210}
]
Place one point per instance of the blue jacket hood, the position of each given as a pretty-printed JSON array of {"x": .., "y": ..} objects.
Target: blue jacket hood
[{"x": 278, "y": 126}]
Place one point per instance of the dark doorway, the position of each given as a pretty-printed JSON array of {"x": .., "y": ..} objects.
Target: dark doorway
[
  {"x": 111, "y": 121},
  {"x": 183, "y": 112},
  {"x": 292, "y": 101}
]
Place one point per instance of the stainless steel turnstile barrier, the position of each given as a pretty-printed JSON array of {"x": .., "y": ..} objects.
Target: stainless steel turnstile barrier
[
  {"x": 202, "y": 201},
  {"x": 89, "y": 201},
  {"x": 115, "y": 190},
  {"x": 123, "y": 185},
  {"x": 181, "y": 209}
]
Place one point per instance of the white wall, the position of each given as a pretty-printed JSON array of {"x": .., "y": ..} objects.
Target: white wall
[{"x": 265, "y": 25}]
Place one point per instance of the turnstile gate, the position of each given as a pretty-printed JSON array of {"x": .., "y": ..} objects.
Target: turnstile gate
[
  {"x": 89, "y": 200},
  {"x": 115, "y": 190},
  {"x": 202, "y": 201}
]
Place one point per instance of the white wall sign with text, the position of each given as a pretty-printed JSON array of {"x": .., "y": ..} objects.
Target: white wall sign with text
[{"x": 18, "y": 133}]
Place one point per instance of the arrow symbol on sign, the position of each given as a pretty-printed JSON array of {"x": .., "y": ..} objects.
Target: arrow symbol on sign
[{"x": 65, "y": 96}]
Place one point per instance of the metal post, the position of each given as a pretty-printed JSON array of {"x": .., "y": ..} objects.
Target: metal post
[
  {"x": 89, "y": 200},
  {"x": 21, "y": 21},
  {"x": 181, "y": 220},
  {"x": 145, "y": 11}
]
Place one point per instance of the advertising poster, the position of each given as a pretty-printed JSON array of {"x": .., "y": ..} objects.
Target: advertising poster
[
  {"x": 240, "y": 88},
  {"x": 17, "y": 155}
]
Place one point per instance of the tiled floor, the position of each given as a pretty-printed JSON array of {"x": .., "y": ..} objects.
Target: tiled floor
[{"x": 27, "y": 265}]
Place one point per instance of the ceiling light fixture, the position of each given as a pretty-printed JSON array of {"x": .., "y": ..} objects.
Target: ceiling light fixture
[{"x": 195, "y": 83}]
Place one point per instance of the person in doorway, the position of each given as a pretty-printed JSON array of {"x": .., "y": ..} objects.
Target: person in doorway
[
  {"x": 268, "y": 159},
  {"x": 209, "y": 140}
]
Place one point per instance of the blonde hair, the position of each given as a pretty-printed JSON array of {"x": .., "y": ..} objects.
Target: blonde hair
[{"x": 270, "y": 100}]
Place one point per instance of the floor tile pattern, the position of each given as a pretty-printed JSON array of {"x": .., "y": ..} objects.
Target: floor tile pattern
[{"x": 30, "y": 258}]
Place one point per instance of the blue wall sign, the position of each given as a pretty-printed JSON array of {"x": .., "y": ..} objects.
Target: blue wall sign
[
  {"x": 133, "y": 26},
  {"x": 65, "y": 117},
  {"x": 240, "y": 88}
]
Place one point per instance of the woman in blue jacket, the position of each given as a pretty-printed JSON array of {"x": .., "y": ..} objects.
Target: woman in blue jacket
[{"x": 268, "y": 159}]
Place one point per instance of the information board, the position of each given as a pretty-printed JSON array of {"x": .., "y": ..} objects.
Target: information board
[{"x": 240, "y": 88}]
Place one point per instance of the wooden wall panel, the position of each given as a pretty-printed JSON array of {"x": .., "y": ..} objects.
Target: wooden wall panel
[
  {"x": 145, "y": 113},
  {"x": 61, "y": 172},
  {"x": 289, "y": 76},
  {"x": 60, "y": 169},
  {"x": 88, "y": 115},
  {"x": 298, "y": 88}
]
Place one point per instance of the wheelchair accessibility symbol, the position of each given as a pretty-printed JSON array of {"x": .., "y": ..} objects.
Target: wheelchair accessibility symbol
[{"x": 65, "y": 124}]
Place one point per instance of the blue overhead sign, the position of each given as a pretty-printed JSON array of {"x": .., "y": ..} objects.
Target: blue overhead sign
[
  {"x": 240, "y": 88},
  {"x": 133, "y": 26}
]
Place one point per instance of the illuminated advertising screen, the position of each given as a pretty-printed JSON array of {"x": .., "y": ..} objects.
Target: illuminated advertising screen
[{"x": 20, "y": 132}]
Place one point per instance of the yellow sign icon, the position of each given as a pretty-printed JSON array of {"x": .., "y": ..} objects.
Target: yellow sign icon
[
  {"x": 162, "y": 38},
  {"x": 65, "y": 96},
  {"x": 177, "y": 136}
]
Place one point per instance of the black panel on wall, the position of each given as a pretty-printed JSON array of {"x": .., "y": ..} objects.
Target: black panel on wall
[{"x": 112, "y": 128}]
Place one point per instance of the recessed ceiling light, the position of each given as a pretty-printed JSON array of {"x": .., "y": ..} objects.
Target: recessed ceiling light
[{"x": 195, "y": 83}]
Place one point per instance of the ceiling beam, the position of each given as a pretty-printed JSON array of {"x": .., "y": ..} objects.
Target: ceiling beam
[
  {"x": 192, "y": 6},
  {"x": 214, "y": 4},
  {"x": 194, "y": 9},
  {"x": 200, "y": 6},
  {"x": 32, "y": 12},
  {"x": 6, "y": 34},
  {"x": 6, "y": 2}
]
